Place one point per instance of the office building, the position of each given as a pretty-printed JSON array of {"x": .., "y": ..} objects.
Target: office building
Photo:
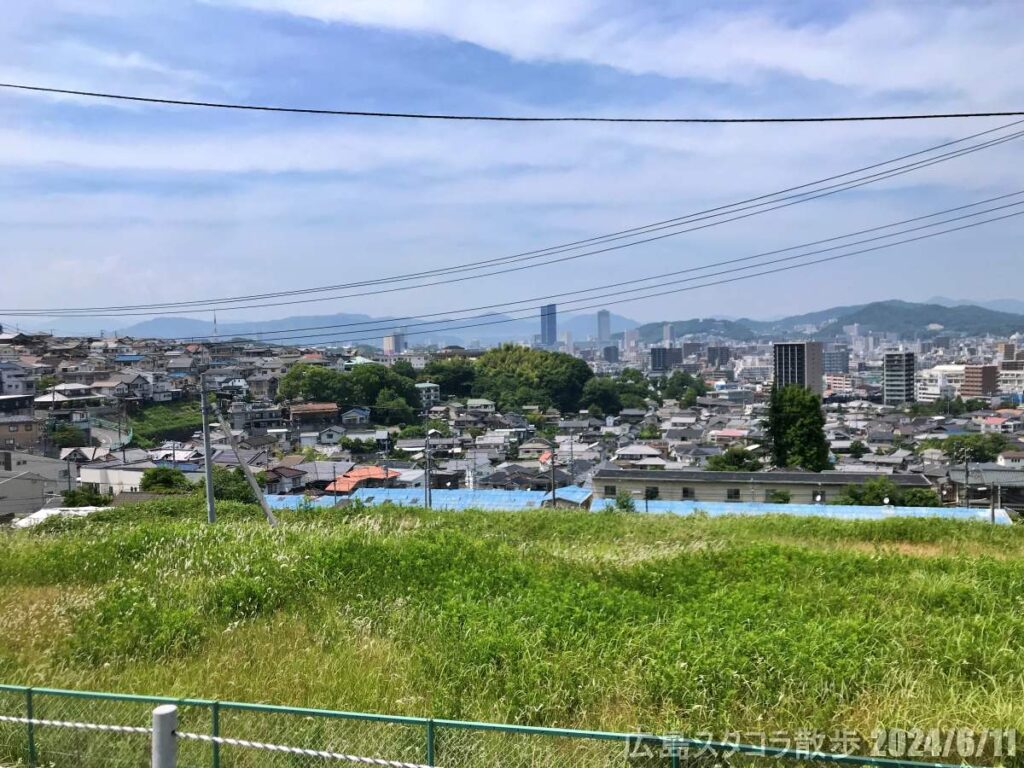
[
  {"x": 604, "y": 326},
  {"x": 610, "y": 354},
  {"x": 719, "y": 356},
  {"x": 980, "y": 381},
  {"x": 898, "y": 378},
  {"x": 668, "y": 333},
  {"x": 798, "y": 362},
  {"x": 548, "y": 325},
  {"x": 665, "y": 358},
  {"x": 692, "y": 348},
  {"x": 1007, "y": 350},
  {"x": 836, "y": 359}
]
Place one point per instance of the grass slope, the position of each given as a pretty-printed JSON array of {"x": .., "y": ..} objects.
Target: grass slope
[
  {"x": 166, "y": 421},
  {"x": 557, "y": 618}
]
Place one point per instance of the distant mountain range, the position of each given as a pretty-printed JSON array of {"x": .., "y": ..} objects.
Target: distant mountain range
[
  {"x": 905, "y": 318},
  {"x": 368, "y": 329},
  {"x": 908, "y": 319}
]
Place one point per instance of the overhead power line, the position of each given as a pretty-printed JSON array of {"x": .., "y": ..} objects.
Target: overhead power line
[
  {"x": 776, "y": 270},
  {"x": 391, "y": 323},
  {"x": 498, "y": 118},
  {"x": 733, "y": 212},
  {"x": 618, "y": 297}
]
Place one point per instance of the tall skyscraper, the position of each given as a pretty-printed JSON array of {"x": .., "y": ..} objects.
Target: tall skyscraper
[
  {"x": 798, "y": 362},
  {"x": 395, "y": 344},
  {"x": 668, "y": 334},
  {"x": 898, "y": 378},
  {"x": 604, "y": 326},
  {"x": 548, "y": 325}
]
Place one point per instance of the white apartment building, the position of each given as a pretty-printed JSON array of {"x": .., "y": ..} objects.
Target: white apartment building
[{"x": 940, "y": 382}]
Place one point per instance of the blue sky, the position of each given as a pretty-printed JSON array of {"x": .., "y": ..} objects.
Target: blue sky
[{"x": 105, "y": 203}]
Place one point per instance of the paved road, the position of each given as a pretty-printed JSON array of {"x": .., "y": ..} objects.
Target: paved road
[{"x": 106, "y": 437}]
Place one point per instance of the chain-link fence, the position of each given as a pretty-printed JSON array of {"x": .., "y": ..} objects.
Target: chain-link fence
[{"x": 50, "y": 727}]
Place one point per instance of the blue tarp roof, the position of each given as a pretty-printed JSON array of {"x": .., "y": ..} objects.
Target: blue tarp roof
[
  {"x": 836, "y": 512},
  {"x": 294, "y": 502},
  {"x": 452, "y": 499}
]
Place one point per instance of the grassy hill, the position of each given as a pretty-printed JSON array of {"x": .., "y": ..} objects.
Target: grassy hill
[{"x": 606, "y": 621}]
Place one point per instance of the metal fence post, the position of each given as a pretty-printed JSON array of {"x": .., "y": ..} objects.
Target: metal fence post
[
  {"x": 215, "y": 731},
  {"x": 29, "y": 715},
  {"x": 430, "y": 741},
  {"x": 165, "y": 740}
]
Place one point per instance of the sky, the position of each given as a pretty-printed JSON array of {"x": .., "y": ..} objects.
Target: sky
[{"x": 106, "y": 203}]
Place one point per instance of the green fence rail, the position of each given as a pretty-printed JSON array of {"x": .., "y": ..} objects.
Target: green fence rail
[
  {"x": 123, "y": 429},
  {"x": 440, "y": 742}
]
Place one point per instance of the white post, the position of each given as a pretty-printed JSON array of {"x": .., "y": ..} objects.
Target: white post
[{"x": 165, "y": 742}]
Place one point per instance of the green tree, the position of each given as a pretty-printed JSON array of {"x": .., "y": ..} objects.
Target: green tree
[
  {"x": 46, "y": 382},
  {"x": 796, "y": 429},
  {"x": 230, "y": 485},
  {"x": 404, "y": 368},
  {"x": 390, "y": 408},
  {"x": 735, "y": 458},
  {"x": 858, "y": 449},
  {"x": 85, "y": 497},
  {"x": 649, "y": 432},
  {"x": 455, "y": 376},
  {"x": 634, "y": 389},
  {"x": 164, "y": 480},
  {"x": 513, "y": 376},
  {"x": 684, "y": 388},
  {"x": 601, "y": 393},
  {"x": 779, "y": 496},
  {"x": 624, "y": 502},
  {"x": 65, "y": 435},
  {"x": 979, "y": 447},
  {"x": 875, "y": 492}
]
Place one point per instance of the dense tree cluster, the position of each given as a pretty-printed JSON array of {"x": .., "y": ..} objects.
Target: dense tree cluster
[
  {"x": 874, "y": 493},
  {"x": 796, "y": 429},
  {"x": 972, "y": 447},
  {"x": 736, "y": 458},
  {"x": 514, "y": 376},
  {"x": 393, "y": 395}
]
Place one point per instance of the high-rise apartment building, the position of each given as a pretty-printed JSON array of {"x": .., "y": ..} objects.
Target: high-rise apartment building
[
  {"x": 798, "y": 362},
  {"x": 548, "y": 325},
  {"x": 898, "y": 378},
  {"x": 604, "y": 326},
  {"x": 980, "y": 381}
]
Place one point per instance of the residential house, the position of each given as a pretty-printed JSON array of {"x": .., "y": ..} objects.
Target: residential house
[
  {"x": 357, "y": 416},
  {"x": 16, "y": 379},
  {"x": 21, "y": 432}
]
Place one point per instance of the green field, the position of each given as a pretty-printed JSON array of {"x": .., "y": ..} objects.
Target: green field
[{"x": 604, "y": 621}]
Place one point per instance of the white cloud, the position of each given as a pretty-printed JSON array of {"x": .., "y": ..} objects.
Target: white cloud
[{"x": 955, "y": 54}]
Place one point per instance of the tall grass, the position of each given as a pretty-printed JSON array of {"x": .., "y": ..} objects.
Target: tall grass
[{"x": 551, "y": 617}]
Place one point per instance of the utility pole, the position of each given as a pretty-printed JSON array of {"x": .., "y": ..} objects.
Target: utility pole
[
  {"x": 211, "y": 512},
  {"x": 554, "y": 497},
  {"x": 426, "y": 470},
  {"x": 244, "y": 466}
]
